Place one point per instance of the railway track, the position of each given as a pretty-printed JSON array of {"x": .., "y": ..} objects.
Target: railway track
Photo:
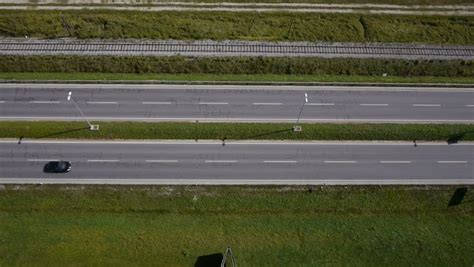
[{"x": 231, "y": 48}]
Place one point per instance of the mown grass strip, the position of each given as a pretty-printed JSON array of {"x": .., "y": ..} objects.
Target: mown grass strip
[
  {"x": 237, "y": 131},
  {"x": 174, "y": 225},
  {"x": 238, "y": 66},
  {"x": 278, "y": 26},
  {"x": 81, "y": 76}
]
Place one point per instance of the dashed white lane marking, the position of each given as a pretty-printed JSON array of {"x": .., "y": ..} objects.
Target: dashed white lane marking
[
  {"x": 320, "y": 104},
  {"x": 1, "y": 101},
  {"x": 374, "y": 105},
  {"x": 156, "y": 103},
  {"x": 221, "y": 161},
  {"x": 452, "y": 161},
  {"x": 469, "y": 105},
  {"x": 340, "y": 161},
  {"x": 279, "y": 161},
  {"x": 102, "y": 160},
  {"x": 101, "y": 102},
  {"x": 44, "y": 102},
  {"x": 213, "y": 103},
  {"x": 267, "y": 104},
  {"x": 41, "y": 160},
  {"x": 396, "y": 161},
  {"x": 426, "y": 105},
  {"x": 161, "y": 160}
]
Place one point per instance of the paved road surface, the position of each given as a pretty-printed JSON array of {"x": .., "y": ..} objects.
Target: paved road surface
[
  {"x": 236, "y": 103},
  {"x": 239, "y": 162}
]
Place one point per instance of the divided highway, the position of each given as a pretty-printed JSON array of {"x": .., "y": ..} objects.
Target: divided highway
[
  {"x": 237, "y": 103},
  {"x": 238, "y": 162}
]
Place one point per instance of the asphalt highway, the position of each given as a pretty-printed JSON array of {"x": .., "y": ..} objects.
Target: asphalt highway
[
  {"x": 238, "y": 162},
  {"x": 236, "y": 103}
]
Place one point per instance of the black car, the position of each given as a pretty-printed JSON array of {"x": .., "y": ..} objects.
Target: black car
[{"x": 57, "y": 167}]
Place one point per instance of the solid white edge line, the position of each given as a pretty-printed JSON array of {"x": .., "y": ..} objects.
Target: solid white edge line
[
  {"x": 156, "y": 103},
  {"x": 251, "y": 142},
  {"x": 238, "y": 182},
  {"x": 340, "y": 161},
  {"x": 395, "y": 161},
  {"x": 279, "y": 161},
  {"x": 103, "y": 160},
  {"x": 235, "y": 119},
  {"x": 238, "y": 87},
  {"x": 101, "y": 103},
  {"x": 221, "y": 161},
  {"x": 161, "y": 161},
  {"x": 451, "y": 161}
]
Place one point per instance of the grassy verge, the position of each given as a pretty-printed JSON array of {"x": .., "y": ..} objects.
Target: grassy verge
[
  {"x": 290, "y": 226},
  {"x": 246, "y": 26},
  {"x": 81, "y": 76},
  {"x": 238, "y": 65},
  {"x": 237, "y": 131}
]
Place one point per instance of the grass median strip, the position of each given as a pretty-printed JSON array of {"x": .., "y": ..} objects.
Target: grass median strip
[
  {"x": 294, "y": 225},
  {"x": 273, "y": 26},
  {"x": 238, "y": 131},
  {"x": 237, "y": 68}
]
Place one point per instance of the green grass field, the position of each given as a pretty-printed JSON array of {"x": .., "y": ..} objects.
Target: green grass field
[
  {"x": 266, "y": 226},
  {"x": 239, "y": 78},
  {"x": 244, "y": 26},
  {"x": 237, "y": 131}
]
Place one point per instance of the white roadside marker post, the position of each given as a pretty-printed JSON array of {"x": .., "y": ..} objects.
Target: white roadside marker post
[
  {"x": 92, "y": 127},
  {"x": 298, "y": 128}
]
